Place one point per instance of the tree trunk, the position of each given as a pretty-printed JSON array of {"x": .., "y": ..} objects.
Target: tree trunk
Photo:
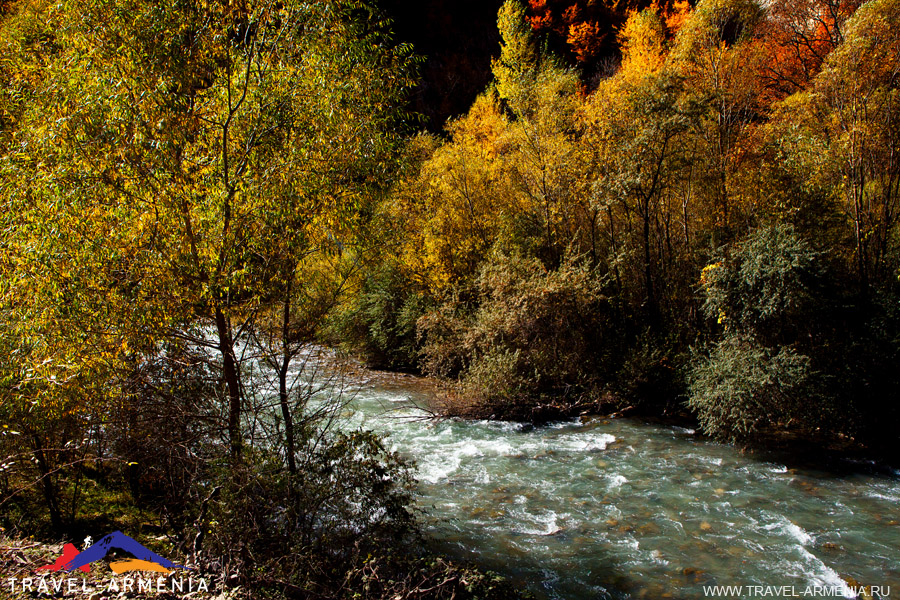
[
  {"x": 283, "y": 390},
  {"x": 47, "y": 484},
  {"x": 232, "y": 382}
]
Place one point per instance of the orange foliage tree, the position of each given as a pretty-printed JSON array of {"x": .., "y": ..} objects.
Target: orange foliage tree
[
  {"x": 797, "y": 36},
  {"x": 586, "y": 30}
]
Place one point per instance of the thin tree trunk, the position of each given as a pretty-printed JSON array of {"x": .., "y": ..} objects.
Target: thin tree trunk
[
  {"x": 47, "y": 485},
  {"x": 232, "y": 382},
  {"x": 283, "y": 389}
]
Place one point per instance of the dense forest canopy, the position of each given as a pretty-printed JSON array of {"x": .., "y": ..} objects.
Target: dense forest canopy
[{"x": 713, "y": 221}]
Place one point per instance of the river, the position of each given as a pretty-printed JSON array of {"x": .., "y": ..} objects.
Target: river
[{"x": 624, "y": 509}]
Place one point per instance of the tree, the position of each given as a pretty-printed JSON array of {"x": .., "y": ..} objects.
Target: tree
[
  {"x": 545, "y": 164},
  {"x": 855, "y": 107},
  {"x": 761, "y": 297},
  {"x": 635, "y": 124},
  {"x": 511, "y": 173},
  {"x": 797, "y": 37},
  {"x": 175, "y": 170},
  {"x": 585, "y": 30},
  {"x": 715, "y": 54},
  {"x": 461, "y": 193}
]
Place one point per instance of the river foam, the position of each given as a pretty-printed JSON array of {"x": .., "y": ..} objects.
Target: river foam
[{"x": 622, "y": 509}]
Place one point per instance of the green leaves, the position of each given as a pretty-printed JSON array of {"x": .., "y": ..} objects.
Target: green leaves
[
  {"x": 762, "y": 295},
  {"x": 743, "y": 385},
  {"x": 169, "y": 167},
  {"x": 768, "y": 279}
]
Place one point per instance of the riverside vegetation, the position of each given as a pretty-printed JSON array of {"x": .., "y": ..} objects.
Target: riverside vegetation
[
  {"x": 192, "y": 195},
  {"x": 710, "y": 229},
  {"x": 185, "y": 186}
]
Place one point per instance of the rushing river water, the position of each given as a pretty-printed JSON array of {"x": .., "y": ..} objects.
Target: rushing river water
[{"x": 624, "y": 509}]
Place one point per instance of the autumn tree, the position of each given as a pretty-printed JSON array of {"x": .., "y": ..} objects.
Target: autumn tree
[
  {"x": 178, "y": 171},
  {"x": 755, "y": 138},
  {"x": 544, "y": 162},
  {"x": 586, "y": 31},
  {"x": 855, "y": 106},
  {"x": 459, "y": 196},
  {"x": 635, "y": 124},
  {"x": 509, "y": 174},
  {"x": 715, "y": 55},
  {"x": 797, "y": 37}
]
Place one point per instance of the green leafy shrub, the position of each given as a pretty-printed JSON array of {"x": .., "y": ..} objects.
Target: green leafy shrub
[
  {"x": 381, "y": 323},
  {"x": 765, "y": 287},
  {"x": 743, "y": 385},
  {"x": 762, "y": 296},
  {"x": 534, "y": 337}
]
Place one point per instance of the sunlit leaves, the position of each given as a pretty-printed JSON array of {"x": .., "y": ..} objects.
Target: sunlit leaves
[
  {"x": 167, "y": 166},
  {"x": 843, "y": 134}
]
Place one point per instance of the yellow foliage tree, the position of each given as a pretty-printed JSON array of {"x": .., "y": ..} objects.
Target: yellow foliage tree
[{"x": 175, "y": 172}]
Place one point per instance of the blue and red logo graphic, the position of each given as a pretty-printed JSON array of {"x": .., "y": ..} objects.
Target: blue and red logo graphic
[{"x": 144, "y": 559}]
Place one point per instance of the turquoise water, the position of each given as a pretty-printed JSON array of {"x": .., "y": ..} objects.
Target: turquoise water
[{"x": 624, "y": 509}]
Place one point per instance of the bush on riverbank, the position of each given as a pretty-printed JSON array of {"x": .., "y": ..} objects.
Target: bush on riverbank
[
  {"x": 793, "y": 348},
  {"x": 761, "y": 298},
  {"x": 743, "y": 385},
  {"x": 344, "y": 526},
  {"x": 380, "y": 321},
  {"x": 532, "y": 342}
]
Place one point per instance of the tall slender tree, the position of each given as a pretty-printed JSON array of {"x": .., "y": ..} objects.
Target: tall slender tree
[{"x": 173, "y": 168}]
